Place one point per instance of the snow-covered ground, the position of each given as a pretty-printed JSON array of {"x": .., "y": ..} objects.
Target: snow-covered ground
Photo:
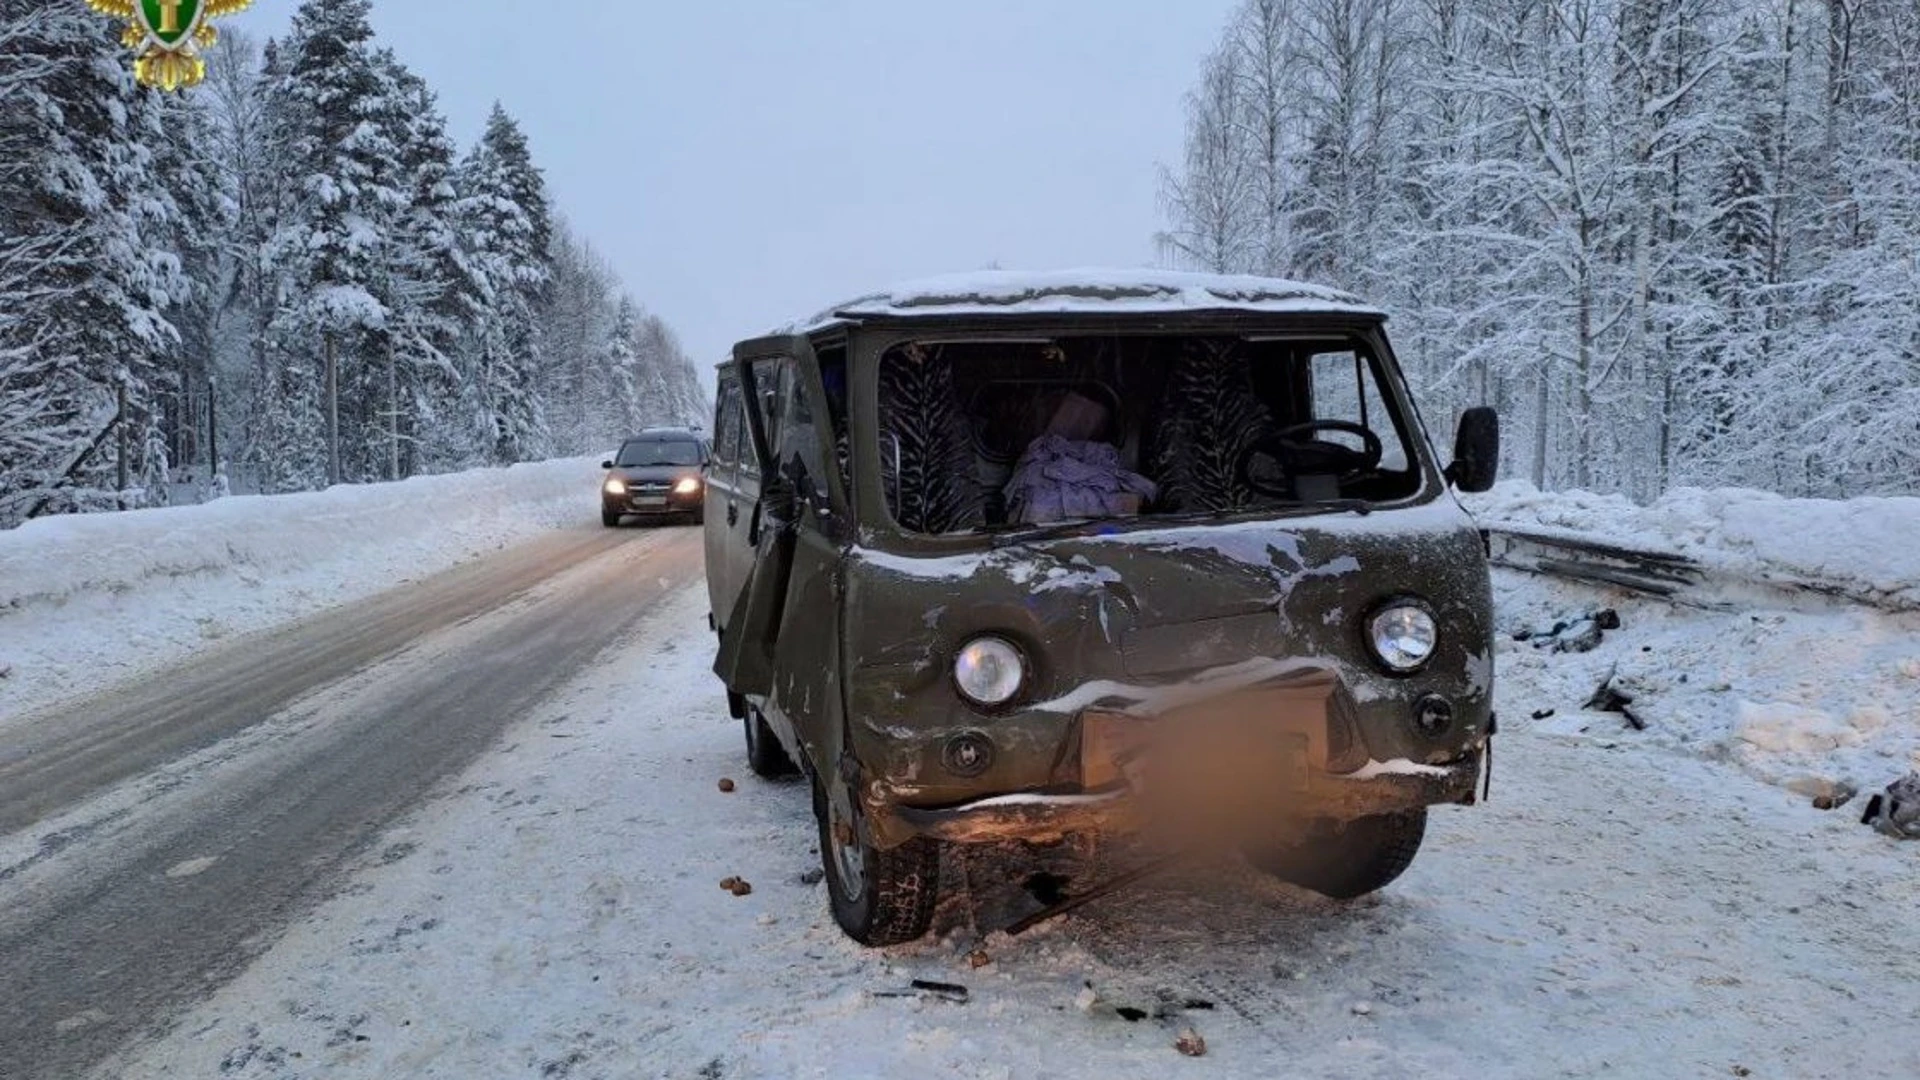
[
  {"x": 1625, "y": 905},
  {"x": 1665, "y": 902},
  {"x": 1820, "y": 698},
  {"x": 90, "y": 600}
]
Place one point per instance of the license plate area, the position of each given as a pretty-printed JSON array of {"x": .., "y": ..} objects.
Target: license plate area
[
  {"x": 650, "y": 501},
  {"x": 1265, "y": 741}
]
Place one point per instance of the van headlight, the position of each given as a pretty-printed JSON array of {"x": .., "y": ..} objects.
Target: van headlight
[
  {"x": 989, "y": 671},
  {"x": 1403, "y": 634}
]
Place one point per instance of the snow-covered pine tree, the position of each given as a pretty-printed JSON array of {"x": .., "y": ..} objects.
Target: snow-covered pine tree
[
  {"x": 574, "y": 323},
  {"x": 619, "y": 377},
  {"x": 431, "y": 289},
  {"x": 331, "y": 247},
  {"x": 505, "y": 217},
  {"x": 80, "y": 244}
]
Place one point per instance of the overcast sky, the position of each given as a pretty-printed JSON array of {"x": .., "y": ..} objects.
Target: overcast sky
[{"x": 742, "y": 162}]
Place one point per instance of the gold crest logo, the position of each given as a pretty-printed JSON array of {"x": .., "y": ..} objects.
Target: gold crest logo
[{"x": 168, "y": 36}]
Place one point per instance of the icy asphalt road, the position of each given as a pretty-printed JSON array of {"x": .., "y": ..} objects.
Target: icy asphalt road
[
  {"x": 1618, "y": 909},
  {"x": 155, "y": 839}
]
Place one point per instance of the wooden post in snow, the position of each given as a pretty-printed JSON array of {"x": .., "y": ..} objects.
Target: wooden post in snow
[
  {"x": 333, "y": 410},
  {"x": 120, "y": 444}
]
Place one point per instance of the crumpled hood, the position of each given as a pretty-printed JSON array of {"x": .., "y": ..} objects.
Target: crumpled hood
[{"x": 1154, "y": 605}]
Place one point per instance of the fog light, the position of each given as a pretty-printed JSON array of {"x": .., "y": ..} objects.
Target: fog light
[
  {"x": 1433, "y": 715},
  {"x": 968, "y": 755}
]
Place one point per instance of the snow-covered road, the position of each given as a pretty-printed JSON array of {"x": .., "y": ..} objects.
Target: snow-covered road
[
  {"x": 156, "y": 838},
  {"x": 1625, "y": 905}
]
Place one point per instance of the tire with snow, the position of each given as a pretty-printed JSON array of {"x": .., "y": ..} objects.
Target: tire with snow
[
  {"x": 878, "y": 897},
  {"x": 765, "y": 756},
  {"x": 1364, "y": 856},
  {"x": 609, "y": 518}
]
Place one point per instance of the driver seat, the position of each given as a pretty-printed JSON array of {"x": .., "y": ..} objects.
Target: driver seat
[{"x": 1212, "y": 416}]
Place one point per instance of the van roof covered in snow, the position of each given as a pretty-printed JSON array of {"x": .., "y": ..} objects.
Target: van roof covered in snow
[{"x": 1076, "y": 292}]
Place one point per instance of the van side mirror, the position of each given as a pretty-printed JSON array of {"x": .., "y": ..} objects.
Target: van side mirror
[
  {"x": 1476, "y": 451},
  {"x": 606, "y": 464}
]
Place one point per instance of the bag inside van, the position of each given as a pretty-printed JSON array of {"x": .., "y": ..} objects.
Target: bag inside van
[{"x": 998, "y": 434}]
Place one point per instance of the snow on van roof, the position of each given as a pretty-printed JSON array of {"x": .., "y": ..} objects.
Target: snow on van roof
[{"x": 1063, "y": 292}]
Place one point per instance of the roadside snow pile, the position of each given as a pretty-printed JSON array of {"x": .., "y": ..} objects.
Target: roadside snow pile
[
  {"x": 1863, "y": 548},
  {"x": 132, "y": 590},
  {"x": 1825, "y": 703}
]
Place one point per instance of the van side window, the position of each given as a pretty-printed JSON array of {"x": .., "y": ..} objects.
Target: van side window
[
  {"x": 799, "y": 435},
  {"x": 766, "y": 379},
  {"x": 1344, "y": 389},
  {"x": 727, "y": 424}
]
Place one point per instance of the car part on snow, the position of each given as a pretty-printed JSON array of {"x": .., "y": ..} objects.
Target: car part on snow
[
  {"x": 1572, "y": 634},
  {"x": 1608, "y": 697},
  {"x": 1080, "y": 900},
  {"x": 1896, "y": 811},
  {"x": 927, "y": 988}
]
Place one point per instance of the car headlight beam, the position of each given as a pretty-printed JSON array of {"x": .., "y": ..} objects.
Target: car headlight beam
[
  {"x": 687, "y": 486},
  {"x": 616, "y": 486},
  {"x": 1403, "y": 635},
  {"x": 989, "y": 671}
]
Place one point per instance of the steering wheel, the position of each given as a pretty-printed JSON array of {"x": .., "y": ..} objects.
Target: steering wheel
[{"x": 1302, "y": 455}]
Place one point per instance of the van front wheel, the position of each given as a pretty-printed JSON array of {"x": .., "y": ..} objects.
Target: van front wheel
[
  {"x": 878, "y": 897},
  {"x": 1364, "y": 856}
]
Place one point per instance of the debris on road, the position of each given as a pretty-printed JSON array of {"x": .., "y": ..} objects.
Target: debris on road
[
  {"x": 1573, "y": 633},
  {"x": 927, "y": 988},
  {"x": 1190, "y": 1043},
  {"x": 1608, "y": 697},
  {"x": 979, "y": 958},
  {"x": 737, "y": 886},
  {"x": 1896, "y": 811},
  {"x": 726, "y": 786},
  {"x": 1825, "y": 793}
]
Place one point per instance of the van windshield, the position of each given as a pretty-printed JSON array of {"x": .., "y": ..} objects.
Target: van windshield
[{"x": 1002, "y": 435}]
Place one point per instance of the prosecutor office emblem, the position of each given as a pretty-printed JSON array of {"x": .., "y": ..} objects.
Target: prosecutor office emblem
[{"x": 168, "y": 36}]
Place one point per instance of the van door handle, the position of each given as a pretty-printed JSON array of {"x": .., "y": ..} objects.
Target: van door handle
[{"x": 733, "y": 514}]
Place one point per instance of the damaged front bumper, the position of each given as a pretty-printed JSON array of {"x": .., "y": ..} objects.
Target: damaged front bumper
[
  {"x": 1251, "y": 762},
  {"x": 1378, "y": 788}
]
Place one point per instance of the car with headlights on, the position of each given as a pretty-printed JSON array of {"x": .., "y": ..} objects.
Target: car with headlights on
[
  {"x": 1156, "y": 556},
  {"x": 659, "y": 473}
]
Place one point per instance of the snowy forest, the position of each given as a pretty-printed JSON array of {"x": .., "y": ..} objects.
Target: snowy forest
[
  {"x": 1675, "y": 242},
  {"x": 197, "y": 290}
]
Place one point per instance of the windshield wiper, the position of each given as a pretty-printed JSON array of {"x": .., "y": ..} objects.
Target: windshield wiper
[
  {"x": 1011, "y": 533},
  {"x": 1356, "y": 506}
]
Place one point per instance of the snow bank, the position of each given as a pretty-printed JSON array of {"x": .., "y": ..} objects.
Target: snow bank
[
  {"x": 130, "y": 591},
  {"x": 1862, "y": 547},
  {"x": 1816, "y": 701}
]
